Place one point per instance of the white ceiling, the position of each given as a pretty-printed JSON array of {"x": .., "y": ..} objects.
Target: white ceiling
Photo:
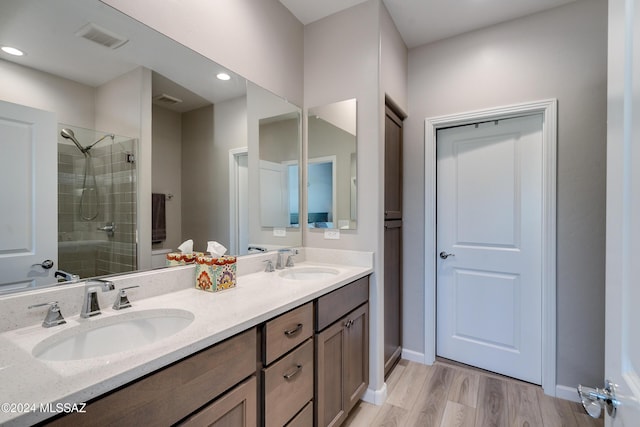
[{"x": 424, "y": 21}]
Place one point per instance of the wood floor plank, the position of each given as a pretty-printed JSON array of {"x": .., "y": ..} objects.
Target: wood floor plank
[
  {"x": 492, "y": 407},
  {"x": 429, "y": 407},
  {"x": 524, "y": 409},
  {"x": 406, "y": 393},
  {"x": 362, "y": 415},
  {"x": 556, "y": 412},
  {"x": 464, "y": 389},
  {"x": 444, "y": 397},
  {"x": 390, "y": 416},
  {"x": 395, "y": 376},
  {"x": 458, "y": 415}
]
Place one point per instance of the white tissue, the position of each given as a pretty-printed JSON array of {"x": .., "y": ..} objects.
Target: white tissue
[
  {"x": 216, "y": 249},
  {"x": 186, "y": 247}
]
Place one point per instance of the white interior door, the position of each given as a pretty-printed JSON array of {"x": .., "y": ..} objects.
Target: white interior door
[
  {"x": 28, "y": 195},
  {"x": 622, "y": 349},
  {"x": 489, "y": 219},
  {"x": 274, "y": 194}
]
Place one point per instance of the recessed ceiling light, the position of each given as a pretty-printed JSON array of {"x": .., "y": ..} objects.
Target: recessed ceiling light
[
  {"x": 223, "y": 76},
  {"x": 12, "y": 51}
]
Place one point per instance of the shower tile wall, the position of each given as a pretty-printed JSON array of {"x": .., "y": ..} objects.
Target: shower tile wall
[{"x": 82, "y": 248}]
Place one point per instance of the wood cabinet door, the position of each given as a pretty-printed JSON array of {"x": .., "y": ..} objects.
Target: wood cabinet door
[
  {"x": 392, "y": 166},
  {"x": 392, "y": 294},
  {"x": 356, "y": 357},
  {"x": 238, "y": 408},
  {"x": 330, "y": 398},
  {"x": 342, "y": 360}
]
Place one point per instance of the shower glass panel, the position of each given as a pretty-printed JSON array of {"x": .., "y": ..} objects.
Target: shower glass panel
[{"x": 97, "y": 187}]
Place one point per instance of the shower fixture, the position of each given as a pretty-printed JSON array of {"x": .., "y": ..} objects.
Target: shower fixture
[
  {"x": 93, "y": 187},
  {"x": 68, "y": 134}
]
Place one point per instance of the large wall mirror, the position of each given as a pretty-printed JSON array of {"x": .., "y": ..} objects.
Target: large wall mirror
[
  {"x": 112, "y": 131},
  {"x": 331, "y": 166}
]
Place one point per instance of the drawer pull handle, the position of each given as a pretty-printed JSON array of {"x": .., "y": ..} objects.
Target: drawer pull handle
[
  {"x": 293, "y": 331},
  {"x": 348, "y": 323},
  {"x": 293, "y": 373}
]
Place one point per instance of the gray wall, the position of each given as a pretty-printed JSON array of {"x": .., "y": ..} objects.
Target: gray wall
[
  {"x": 561, "y": 54},
  {"x": 198, "y": 165},
  {"x": 358, "y": 53},
  {"x": 166, "y": 170}
]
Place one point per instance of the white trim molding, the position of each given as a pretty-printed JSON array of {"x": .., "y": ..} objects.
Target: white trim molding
[
  {"x": 376, "y": 397},
  {"x": 413, "y": 356},
  {"x": 548, "y": 109},
  {"x": 567, "y": 393},
  {"x": 234, "y": 153}
]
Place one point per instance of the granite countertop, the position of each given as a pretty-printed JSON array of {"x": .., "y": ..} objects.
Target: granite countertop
[{"x": 27, "y": 382}]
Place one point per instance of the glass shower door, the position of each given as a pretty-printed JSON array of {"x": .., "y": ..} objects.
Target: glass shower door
[{"x": 97, "y": 193}]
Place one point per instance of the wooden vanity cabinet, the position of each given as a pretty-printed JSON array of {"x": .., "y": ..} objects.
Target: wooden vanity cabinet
[
  {"x": 179, "y": 391},
  {"x": 342, "y": 352},
  {"x": 287, "y": 375},
  {"x": 237, "y": 408},
  {"x": 308, "y": 366}
]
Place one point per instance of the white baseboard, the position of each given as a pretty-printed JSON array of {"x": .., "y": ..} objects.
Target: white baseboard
[
  {"x": 376, "y": 397},
  {"x": 413, "y": 356},
  {"x": 567, "y": 393}
]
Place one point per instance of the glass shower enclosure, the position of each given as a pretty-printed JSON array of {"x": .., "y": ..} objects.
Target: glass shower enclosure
[{"x": 97, "y": 193}]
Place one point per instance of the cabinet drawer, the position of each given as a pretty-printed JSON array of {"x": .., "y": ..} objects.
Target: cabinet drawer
[
  {"x": 304, "y": 418},
  {"x": 287, "y": 331},
  {"x": 239, "y": 407},
  {"x": 288, "y": 385},
  {"x": 167, "y": 396},
  {"x": 336, "y": 304}
]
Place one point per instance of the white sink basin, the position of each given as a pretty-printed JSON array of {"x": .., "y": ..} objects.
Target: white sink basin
[
  {"x": 109, "y": 335},
  {"x": 309, "y": 273}
]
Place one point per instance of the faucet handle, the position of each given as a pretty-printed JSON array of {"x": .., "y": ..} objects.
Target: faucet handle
[
  {"x": 292, "y": 253},
  {"x": 54, "y": 315},
  {"x": 269, "y": 267},
  {"x": 122, "y": 300}
]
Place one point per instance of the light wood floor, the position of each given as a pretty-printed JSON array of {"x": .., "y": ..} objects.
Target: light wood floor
[{"x": 447, "y": 395}]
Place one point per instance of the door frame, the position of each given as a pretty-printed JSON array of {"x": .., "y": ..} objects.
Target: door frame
[
  {"x": 234, "y": 221},
  {"x": 548, "y": 109}
]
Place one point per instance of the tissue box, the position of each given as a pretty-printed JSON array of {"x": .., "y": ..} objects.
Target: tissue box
[
  {"x": 215, "y": 274},
  {"x": 179, "y": 258}
]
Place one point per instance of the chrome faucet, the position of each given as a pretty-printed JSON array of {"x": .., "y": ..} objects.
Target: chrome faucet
[
  {"x": 90, "y": 306},
  {"x": 279, "y": 261}
]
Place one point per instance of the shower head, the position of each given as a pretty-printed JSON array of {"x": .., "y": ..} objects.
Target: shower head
[
  {"x": 68, "y": 134},
  {"x": 109, "y": 135}
]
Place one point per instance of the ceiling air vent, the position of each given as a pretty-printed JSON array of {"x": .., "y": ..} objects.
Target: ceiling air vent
[
  {"x": 99, "y": 35},
  {"x": 165, "y": 99}
]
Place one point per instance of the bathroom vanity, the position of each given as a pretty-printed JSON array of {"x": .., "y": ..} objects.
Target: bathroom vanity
[{"x": 273, "y": 351}]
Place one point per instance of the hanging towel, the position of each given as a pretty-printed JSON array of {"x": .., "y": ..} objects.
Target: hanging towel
[{"x": 158, "y": 220}]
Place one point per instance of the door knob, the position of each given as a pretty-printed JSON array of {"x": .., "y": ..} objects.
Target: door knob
[
  {"x": 594, "y": 399},
  {"x": 46, "y": 264},
  {"x": 445, "y": 255}
]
